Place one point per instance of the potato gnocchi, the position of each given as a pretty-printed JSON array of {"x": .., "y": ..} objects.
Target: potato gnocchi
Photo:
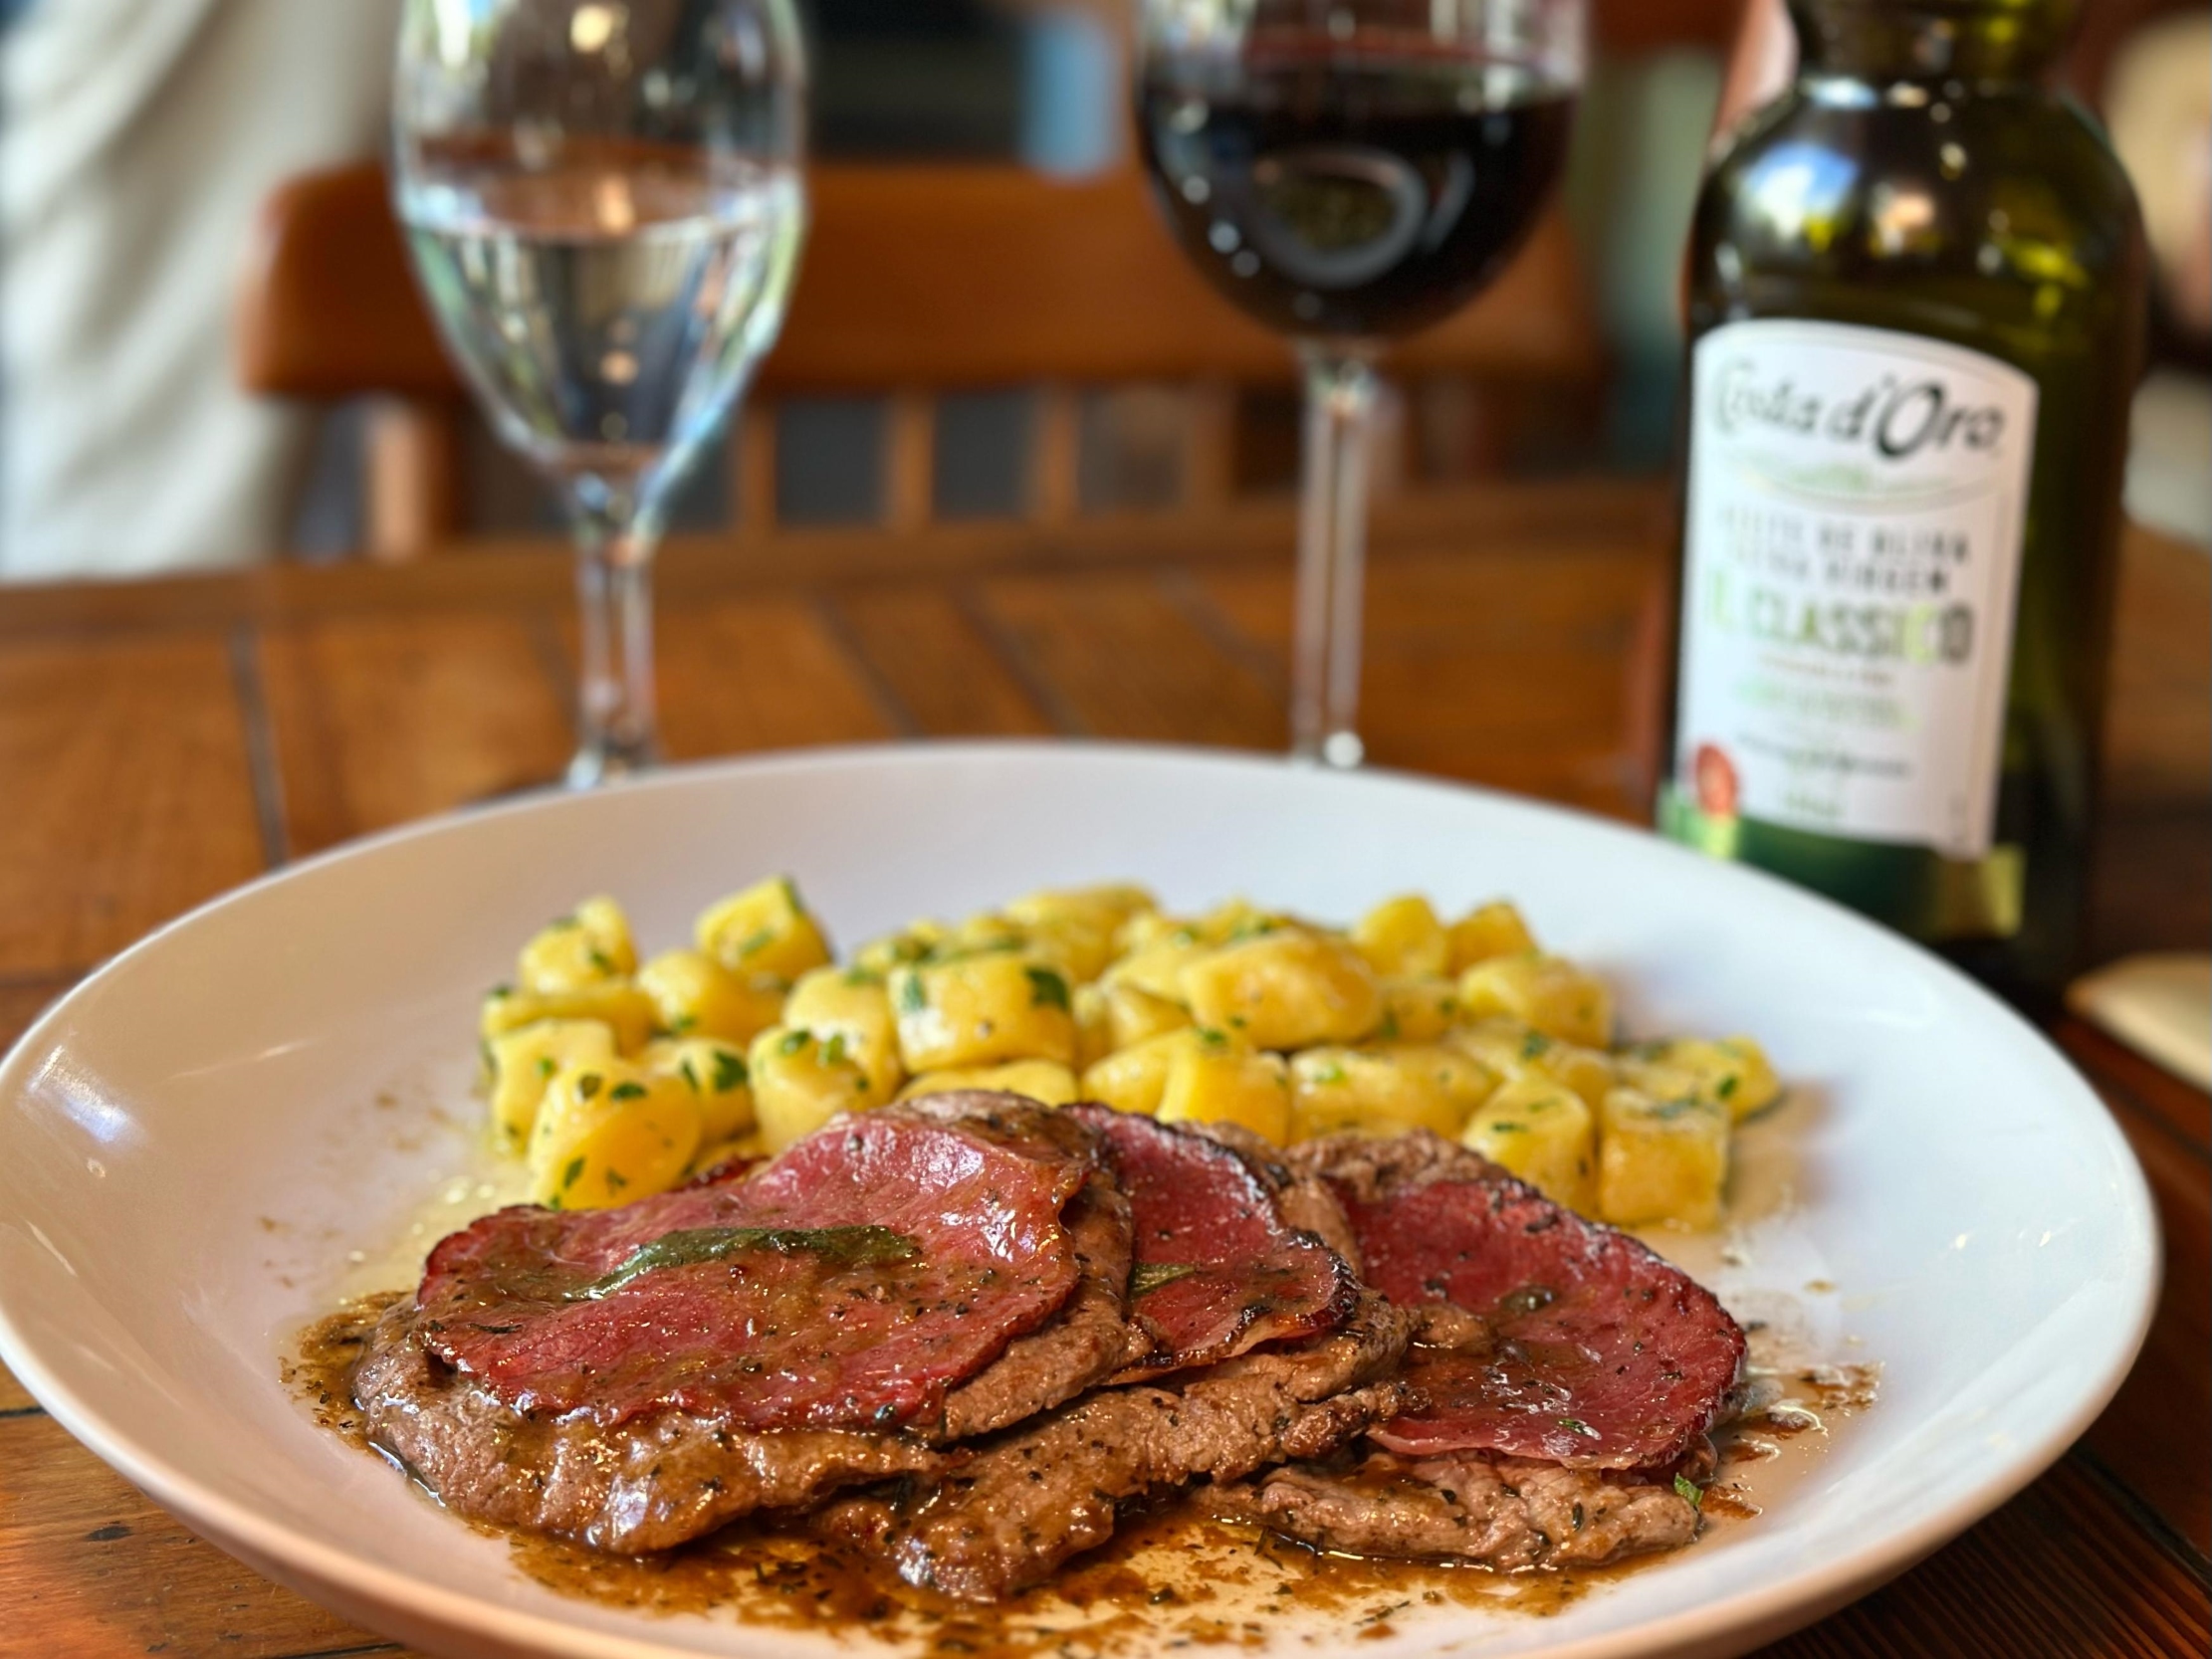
[{"x": 614, "y": 1078}]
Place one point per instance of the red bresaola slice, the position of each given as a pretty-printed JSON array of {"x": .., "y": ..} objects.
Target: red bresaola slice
[
  {"x": 845, "y": 1285},
  {"x": 1216, "y": 1270},
  {"x": 1598, "y": 1354}
]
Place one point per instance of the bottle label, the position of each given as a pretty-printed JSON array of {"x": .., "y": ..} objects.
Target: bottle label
[{"x": 1857, "y": 500}]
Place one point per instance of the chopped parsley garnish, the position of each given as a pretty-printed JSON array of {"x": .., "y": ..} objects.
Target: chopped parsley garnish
[
  {"x": 912, "y": 997},
  {"x": 756, "y": 941},
  {"x": 590, "y": 1084},
  {"x": 793, "y": 1041},
  {"x": 1690, "y": 1492},
  {"x": 1575, "y": 1425},
  {"x": 833, "y": 1051},
  {"x": 682, "y": 1023},
  {"x": 1726, "y": 1086},
  {"x": 691, "y": 1076},
  {"x": 730, "y": 1072},
  {"x": 1212, "y": 1038},
  {"x": 1046, "y": 989},
  {"x": 626, "y": 1091},
  {"x": 601, "y": 960},
  {"x": 1533, "y": 1044},
  {"x": 548, "y": 1065},
  {"x": 500, "y": 991},
  {"x": 1328, "y": 1073},
  {"x": 569, "y": 1175},
  {"x": 561, "y": 922}
]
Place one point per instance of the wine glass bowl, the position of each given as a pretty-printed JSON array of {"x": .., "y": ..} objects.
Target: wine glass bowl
[
  {"x": 604, "y": 209},
  {"x": 1347, "y": 171}
]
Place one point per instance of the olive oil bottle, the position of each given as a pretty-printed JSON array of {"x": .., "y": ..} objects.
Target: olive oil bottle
[{"x": 1917, "y": 287}]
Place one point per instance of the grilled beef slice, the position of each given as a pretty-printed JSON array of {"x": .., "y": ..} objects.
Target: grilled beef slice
[
  {"x": 1218, "y": 1271},
  {"x": 1468, "y": 1507},
  {"x": 759, "y": 1371},
  {"x": 1225, "y": 1326},
  {"x": 1004, "y": 1518},
  {"x": 1544, "y": 1336}
]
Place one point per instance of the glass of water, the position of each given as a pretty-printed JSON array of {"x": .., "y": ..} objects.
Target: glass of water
[{"x": 604, "y": 206}]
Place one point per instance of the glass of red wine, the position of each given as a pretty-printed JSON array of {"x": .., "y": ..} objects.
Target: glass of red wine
[{"x": 1348, "y": 171}]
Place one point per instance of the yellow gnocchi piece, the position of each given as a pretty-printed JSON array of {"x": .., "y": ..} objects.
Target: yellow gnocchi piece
[
  {"x": 1382, "y": 1091},
  {"x": 1540, "y": 1130},
  {"x": 1285, "y": 989},
  {"x": 1548, "y": 992},
  {"x": 856, "y": 1003},
  {"x": 911, "y": 944},
  {"x": 1402, "y": 937},
  {"x": 1418, "y": 1010},
  {"x": 1514, "y": 1049},
  {"x": 972, "y": 1010},
  {"x": 1045, "y": 1081},
  {"x": 1661, "y": 1161},
  {"x": 1135, "y": 1077},
  {"x": 695, "y": 995},
  {"x": 716, "y": 1073},
  {"x": 800, "y": 1081},
  {"x": 619, "y": 1005},
  {"x": 1156, "y": 966},
  {"x": 1493, "y": 930},
  {"x": 608, "y": 1134},
  {"x": 1077, "y": 927},
  {"x": 523, "y": 1062},
  {"x": 588, "y": 946},
  {"x": 1735, "y": 1071},
  {"x": 1215, "y": 1085},
  {"x": 763, "y": 929}
]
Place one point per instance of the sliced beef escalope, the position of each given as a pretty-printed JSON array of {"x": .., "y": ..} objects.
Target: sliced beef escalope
[
  {"x": 1218, "y": 1271},
  {"x": 1310, "y": 1361},
  {"x": 1585, "y": 1350},
  {"x": 633, "y": 1377},
  {"x": 1563, "y": 1376}
]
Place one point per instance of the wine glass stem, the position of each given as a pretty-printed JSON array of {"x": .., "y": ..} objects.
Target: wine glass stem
[
  {"x": 1332, "y": 554},
  {"x": 617, "y": 728}
]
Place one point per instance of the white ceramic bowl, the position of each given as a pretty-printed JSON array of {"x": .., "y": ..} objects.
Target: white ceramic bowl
[{"x": 194, "y": 1141}]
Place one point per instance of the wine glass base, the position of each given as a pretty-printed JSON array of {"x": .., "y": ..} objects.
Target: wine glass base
[
  {"x": 593, "y": 766},
  {"x": 1339, "y": 752}
]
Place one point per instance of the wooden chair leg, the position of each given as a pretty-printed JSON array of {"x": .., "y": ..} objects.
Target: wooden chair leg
[{"x": 411, "y": 479}]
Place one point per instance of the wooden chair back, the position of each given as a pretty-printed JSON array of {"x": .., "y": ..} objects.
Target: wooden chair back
[{"x": 918, "y": 280}]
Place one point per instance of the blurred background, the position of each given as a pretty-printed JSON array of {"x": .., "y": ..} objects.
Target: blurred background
[{"x": 139, "y": 141}]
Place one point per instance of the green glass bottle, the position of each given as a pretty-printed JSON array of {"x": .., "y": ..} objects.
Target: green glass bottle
[{"x": 1917, "y": 287}]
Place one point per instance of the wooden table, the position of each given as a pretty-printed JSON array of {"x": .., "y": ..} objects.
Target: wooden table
[{"x": 162, "y": 742}]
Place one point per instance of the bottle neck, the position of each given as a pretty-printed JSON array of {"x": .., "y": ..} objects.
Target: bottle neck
[{"x": 1975, "y": 41}]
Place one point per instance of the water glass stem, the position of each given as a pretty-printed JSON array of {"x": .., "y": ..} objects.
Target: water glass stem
[
  {"x": 1332, "y": 553},
  {"x": 616, "y": 723}
]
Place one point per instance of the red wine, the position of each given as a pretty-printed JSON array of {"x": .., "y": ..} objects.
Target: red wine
[{"x": 1352, "y": 199}]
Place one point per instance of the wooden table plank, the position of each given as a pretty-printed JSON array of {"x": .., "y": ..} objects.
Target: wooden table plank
[
  {"x": 1077, "y": 639},
  {"x": 765, "y": 673},
  {"x": 943, "y": 671},
  {"x": 1507, "y": 669},
  {"x": 89, "y": 1569},
  {"x": 381, "y": 719},
  {"x": 131, "y": 799},
  {"x": 2062, "y": 1570}
]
